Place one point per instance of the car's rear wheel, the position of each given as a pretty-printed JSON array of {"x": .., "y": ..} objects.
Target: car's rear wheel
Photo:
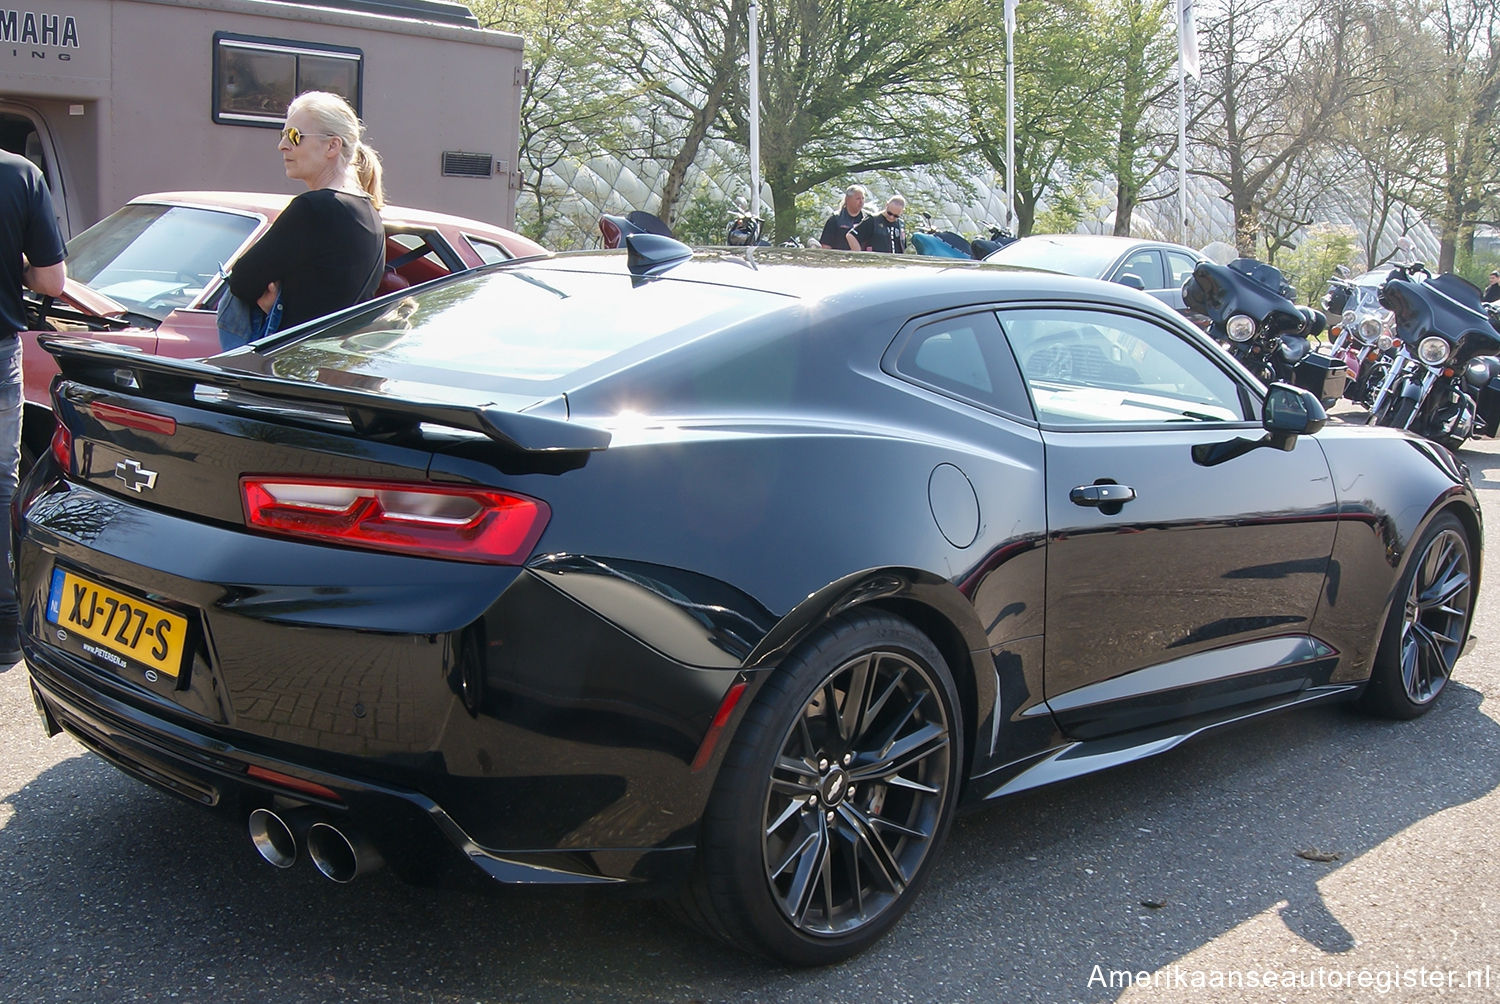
[
  {"x": 835, "y": 796},
  {"x": 1427, "y": 626}
]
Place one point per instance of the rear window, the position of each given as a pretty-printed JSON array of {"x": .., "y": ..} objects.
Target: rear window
[{"x": 519, "y": 325}]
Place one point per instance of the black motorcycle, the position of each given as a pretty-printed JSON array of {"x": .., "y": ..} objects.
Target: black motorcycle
[
  {"x": 1440, "y": 380},
  {"x": 1251, "y": 312}
]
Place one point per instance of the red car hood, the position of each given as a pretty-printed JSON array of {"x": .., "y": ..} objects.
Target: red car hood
[{"x": 90, "y": 301}]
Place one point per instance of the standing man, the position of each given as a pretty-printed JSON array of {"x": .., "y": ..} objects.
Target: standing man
[
  {"x": 1492, "y": 291},
  {"x": 836, "y": 230},
  {"x": 882, "y": 232},
  {"x": 31, "y": 255}
]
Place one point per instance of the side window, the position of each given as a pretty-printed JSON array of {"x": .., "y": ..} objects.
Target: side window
[
  {"x": 1147, "y": 265},
  {"x": 255, "y": 77},
  {"x": 488, "y": 251},
  {"x": 414, "y": 257},
  {"x": 964, "y": 356},
  {"x": 1179, "y": 267},
  {"x": 1092, "y": 367}
]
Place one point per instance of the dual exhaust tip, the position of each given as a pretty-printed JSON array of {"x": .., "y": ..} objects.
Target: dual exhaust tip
[{"x": 340, "y": 855}]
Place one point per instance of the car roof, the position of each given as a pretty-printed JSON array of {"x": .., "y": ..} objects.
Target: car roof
[
  {"x": 823, "y": 275},
  {"x": 270, "y": 204},
  {"x": 1106, "y": 240}
]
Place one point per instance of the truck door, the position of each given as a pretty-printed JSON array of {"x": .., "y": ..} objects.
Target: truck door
[{"x": 25, "y": 132}]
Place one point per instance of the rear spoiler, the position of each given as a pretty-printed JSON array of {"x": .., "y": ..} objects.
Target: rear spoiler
[{"x": 101, "y": 364}]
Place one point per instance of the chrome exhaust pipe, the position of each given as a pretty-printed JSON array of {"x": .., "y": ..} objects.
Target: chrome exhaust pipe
[
  {"x": 340, "y": 856},
  {"x": 275, "y": 836}
]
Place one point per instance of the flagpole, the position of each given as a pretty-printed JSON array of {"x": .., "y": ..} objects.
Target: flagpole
[
  {"x": 1182, "y": 218},
  {"x": 1010, "y": 116},
  {"x": 754, "y": 111},
  {"x": 1187, "y": 66}
]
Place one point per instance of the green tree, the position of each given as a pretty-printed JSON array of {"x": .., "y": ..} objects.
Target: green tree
[
  {"x": 1140, "y": 38},
  {"x": 1063, "y": 86},
  {"x": 1462, "y": 186},
  {"x": 1276, "y": 81},
  {"x": 1322, "y": 250},
  {"x": 569, "y": 103}
]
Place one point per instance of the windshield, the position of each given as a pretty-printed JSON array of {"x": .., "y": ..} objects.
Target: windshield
[
  {"x": 1068, "y": 257},
  {"x": 515, "y": 330},
  {"x": 152, "y": 259}
]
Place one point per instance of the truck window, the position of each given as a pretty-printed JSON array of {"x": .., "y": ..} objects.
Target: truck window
[
  {"x": 18, "y": 135},
  {"x": 255, "y": 78}
]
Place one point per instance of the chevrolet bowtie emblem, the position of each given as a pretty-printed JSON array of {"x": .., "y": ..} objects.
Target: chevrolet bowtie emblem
[{"x": 134, "y": 475}]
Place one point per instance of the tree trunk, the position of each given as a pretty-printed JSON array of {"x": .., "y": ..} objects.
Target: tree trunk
[
  {"x": 783, "y": 184},
  {"x": 1124, "y": 207}
]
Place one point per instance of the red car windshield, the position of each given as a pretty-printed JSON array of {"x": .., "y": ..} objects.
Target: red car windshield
[{"x": 152, "y": 259}]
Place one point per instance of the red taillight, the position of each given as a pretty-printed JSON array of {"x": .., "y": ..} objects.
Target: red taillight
[
  {"x": 62, "y": 447},
  {"x": 129, "y": 418},
  {"x": 442, "y": 521},
  {"x": 276, "y": 777}
]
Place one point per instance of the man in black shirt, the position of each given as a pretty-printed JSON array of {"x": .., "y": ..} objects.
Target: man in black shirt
[
  {"x": 1492, "y": 291},
  {"x": 836, "y": 230},
  {"x": 31, "y": 255},
  {"x": 883, "y": 232}
]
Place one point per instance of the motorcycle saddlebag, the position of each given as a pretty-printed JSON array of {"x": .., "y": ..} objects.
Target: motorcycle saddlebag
[
  {"x": 1323, "y": 375},
  {"x": 1489, "y": 408}
]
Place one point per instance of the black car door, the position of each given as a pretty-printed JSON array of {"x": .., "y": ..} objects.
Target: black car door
[{"x": 1174, "y": 588}]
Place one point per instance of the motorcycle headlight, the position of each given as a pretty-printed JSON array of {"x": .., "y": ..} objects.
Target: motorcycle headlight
[
  {"x": 1348, "y": 319},
  {"x": 1385, "y": 341},
  {"x": 1433, "y": 350},
  {"x": 1369, "y": 329},
  {"x": 1240, "y": 328}
]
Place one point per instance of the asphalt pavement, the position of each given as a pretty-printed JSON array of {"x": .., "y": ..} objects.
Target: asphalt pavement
[{"x": 1315, "y": 856}]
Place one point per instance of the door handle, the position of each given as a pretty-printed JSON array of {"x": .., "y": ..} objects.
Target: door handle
[{"x": 1094, "y": 496}]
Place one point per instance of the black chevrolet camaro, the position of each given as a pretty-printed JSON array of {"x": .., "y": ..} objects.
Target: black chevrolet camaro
[{"x": 730, "y": 576}]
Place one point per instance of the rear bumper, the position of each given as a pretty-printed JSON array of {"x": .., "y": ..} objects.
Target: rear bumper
[{"x": 415, "y": 835}]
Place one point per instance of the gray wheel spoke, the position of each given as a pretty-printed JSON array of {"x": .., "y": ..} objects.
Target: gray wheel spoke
[
  {"x": 866, "y": 839},
  {"x": 900, "y": 754},
  {"x": 856, "y": 699},
  {"x": 883, "y": 741},
  {"x": 811, "y": 875},
  {"x": 792, "y": 808},
  {"x": 875, "y": 706}
]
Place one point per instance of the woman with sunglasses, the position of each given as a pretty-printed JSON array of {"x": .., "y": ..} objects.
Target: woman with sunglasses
[{"x": 326, "y": 251}]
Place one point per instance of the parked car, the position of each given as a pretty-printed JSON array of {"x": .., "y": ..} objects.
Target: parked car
[
  {"x": 148, "y": 275},
  {"x": 1157, "y": 267},
  {"x": 645, "y": 568}
]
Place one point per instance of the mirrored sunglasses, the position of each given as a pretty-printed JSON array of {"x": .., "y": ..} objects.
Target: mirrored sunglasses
[{"x": 293, "y": 135}]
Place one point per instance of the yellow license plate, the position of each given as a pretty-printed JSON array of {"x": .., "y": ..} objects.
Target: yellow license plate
[{"x": 123, "y": 625}]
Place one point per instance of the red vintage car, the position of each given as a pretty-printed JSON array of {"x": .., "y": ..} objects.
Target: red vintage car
[{"x": 150, "y": 275}]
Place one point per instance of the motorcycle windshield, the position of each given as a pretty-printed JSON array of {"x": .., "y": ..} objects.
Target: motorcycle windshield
[{"x": 1447, "y": 306}]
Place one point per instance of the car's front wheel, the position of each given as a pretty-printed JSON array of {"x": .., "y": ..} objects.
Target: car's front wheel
[
  {"x": 1427, "y": 626},
  {"x": 835, "y": 796}
]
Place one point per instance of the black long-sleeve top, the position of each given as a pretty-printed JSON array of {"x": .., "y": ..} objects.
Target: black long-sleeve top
[{"x": 327, "y": 249}]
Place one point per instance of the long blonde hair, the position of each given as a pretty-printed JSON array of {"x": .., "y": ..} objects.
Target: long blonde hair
[{"x": 336, "y": 118}]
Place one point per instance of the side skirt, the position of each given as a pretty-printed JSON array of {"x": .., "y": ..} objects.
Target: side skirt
[{"x": 1078, "y": 758}]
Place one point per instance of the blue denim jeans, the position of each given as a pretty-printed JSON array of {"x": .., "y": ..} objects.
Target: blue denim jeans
[{"x": 10, "y": 462}]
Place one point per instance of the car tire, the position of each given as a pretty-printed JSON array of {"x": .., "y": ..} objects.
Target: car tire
[
  {"x": 809, "y": 852},
  {"x": 1428, "y": 624}
]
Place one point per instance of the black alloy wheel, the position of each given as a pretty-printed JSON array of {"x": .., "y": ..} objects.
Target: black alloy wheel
[
  {"x": 1428, "y": 624},
  {"x": 835, "y": 796}
]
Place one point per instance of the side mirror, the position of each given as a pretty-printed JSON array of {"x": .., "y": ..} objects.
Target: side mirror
[
  {"x": 1290, "y": 412},
  {"x": 1132, "y": 280}
]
